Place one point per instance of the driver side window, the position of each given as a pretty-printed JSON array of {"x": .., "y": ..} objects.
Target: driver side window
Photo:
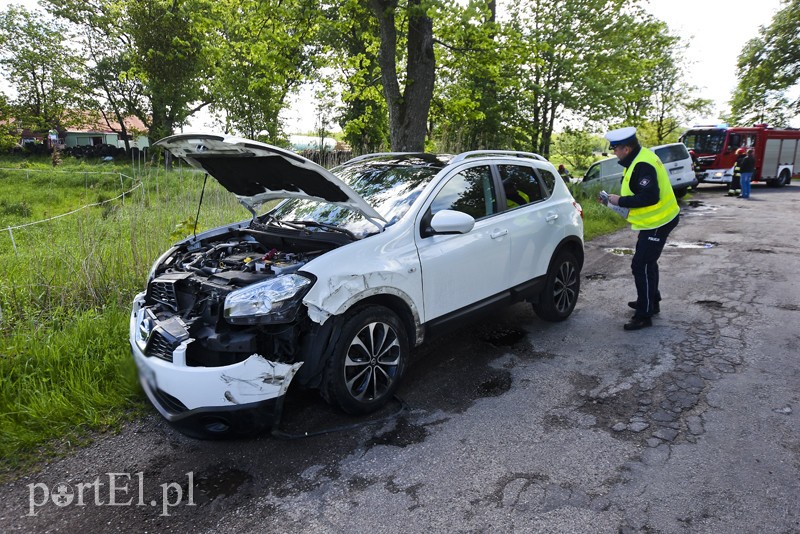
[
  {"x": 592, "y": 173},
  {"x": 471, "y": 191}
]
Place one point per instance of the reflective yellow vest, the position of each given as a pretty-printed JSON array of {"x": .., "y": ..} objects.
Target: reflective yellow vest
[
  {"x": 511, "y": 204},
  {"x": 665, "y": 209}
]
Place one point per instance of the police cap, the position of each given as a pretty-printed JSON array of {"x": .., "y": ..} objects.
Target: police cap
[{"x": 621, "y": 136}]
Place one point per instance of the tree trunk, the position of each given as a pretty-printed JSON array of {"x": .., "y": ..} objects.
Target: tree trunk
[{"x": 408, "y": 112}]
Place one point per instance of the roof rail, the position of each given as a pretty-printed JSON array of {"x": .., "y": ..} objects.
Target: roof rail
[
  {"x": 515, "y": 153},
  {"x": 363, "y": 157}
]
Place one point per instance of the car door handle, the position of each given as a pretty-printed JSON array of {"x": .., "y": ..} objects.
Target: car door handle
[
  {"x": 551, "y": 217},
  {"x": 498, "y": 233}
]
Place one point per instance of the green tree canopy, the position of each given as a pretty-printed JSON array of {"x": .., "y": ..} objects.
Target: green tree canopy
[
  {"x": 45, "y": 74},
  {"x": 265, "y": 49},
  {"x": 769, "y": 67}
]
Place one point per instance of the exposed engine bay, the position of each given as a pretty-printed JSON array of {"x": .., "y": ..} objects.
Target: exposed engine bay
[{"x": 185, "y": 298}]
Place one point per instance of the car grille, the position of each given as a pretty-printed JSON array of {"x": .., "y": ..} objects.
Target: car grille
[
  {"x": 164, "y": 292},
  {"x": 160, "y": 347}
]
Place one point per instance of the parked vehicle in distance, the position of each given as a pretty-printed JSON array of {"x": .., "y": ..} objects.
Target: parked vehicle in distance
[
  {"x": 678, "y": 161},
  {"x": 333, "y": 287},
  {"x": 606, "y": 175}
]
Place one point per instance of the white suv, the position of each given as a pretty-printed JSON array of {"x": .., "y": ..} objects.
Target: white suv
[{"x": 333, "y": 287}]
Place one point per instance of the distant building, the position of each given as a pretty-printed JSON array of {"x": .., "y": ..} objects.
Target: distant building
[
  {"x": 307, "y": 142},
  {"x": 95, "y": 131}
]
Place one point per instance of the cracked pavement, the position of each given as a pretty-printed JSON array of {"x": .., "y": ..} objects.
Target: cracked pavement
[{"x": 516, "y": 425}]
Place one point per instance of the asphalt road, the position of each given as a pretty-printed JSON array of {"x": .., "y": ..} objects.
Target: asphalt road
[{"x": 514, "y": 425}]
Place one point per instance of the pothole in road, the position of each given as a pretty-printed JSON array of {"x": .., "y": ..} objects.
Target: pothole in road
[
  {"x": 698, "y": 207},
  {"x": 222, "y": 482},
  {"x": 761, "y": 251},
  {"x": 504, "y": 337},
  {"x": 710, "y": 303},
  {"x": 495, "y": 386},
  {"x": 402, "y": 435},
  {"x": 700, "y": 244},
  {"x": 620, "y": 251},
  {"x": 596, "y": 276}
]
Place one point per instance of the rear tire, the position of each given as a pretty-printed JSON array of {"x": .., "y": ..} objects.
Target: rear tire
[
  {"x": 367, "y": 361},
  {"x": 561, "y": 289}
]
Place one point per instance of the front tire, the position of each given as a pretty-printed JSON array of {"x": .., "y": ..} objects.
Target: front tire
[
  {"x": 561, "y": 289},
  {"x": 367, "y": 362}
]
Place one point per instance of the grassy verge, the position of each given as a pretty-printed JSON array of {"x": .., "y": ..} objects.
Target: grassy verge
[{"x": 66, "y": 287}]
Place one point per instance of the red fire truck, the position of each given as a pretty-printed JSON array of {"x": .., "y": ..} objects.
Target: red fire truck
[{"x": 777, "y": 152}]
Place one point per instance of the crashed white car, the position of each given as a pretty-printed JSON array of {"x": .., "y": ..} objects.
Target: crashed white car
[{"x": 333, "y": 287}]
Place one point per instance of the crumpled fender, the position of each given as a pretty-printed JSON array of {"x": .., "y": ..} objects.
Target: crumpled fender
[{"x": 344, "y": 291}]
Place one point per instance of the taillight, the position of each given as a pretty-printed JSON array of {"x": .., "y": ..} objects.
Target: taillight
[{"x": 578, "y": 207}]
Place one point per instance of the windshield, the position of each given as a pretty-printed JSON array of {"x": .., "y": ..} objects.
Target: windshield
[
  {"x": 705, "y": 142},
  {"x": 672, "y": 153},
  {"x": 389, "y": 188}
]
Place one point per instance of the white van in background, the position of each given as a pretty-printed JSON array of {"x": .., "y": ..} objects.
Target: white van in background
[
  {"x": 678, "y": 162},
  {"x": 606, "y": 175}
]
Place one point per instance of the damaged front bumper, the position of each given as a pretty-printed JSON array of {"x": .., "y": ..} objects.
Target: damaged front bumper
[{"x": 209, "y": 402}]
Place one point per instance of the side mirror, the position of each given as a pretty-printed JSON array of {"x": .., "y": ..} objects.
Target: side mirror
[{"x": 452, "y": 222}]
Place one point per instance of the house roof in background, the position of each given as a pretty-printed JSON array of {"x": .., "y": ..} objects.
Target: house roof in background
[{"x": 96, "y": 124}]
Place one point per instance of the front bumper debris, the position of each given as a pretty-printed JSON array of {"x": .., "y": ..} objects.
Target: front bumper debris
[{"x": 205, "y": 402}]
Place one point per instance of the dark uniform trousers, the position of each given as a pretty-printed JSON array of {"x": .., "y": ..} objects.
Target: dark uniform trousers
[{"x": 645, "y": 266}]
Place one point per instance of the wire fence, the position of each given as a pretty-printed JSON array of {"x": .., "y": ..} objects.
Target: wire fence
[{"x": 10, "y": 229}]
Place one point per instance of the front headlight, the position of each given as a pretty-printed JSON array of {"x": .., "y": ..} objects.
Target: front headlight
[{"x": 272, "y": 301}]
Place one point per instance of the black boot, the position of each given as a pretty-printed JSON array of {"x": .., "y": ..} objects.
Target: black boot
[
  {"x": 656, "y": 308},
  {"x": 637, "y": 323}
]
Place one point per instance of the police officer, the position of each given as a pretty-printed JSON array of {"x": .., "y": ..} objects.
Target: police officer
[{"x": 654, "y": 211}]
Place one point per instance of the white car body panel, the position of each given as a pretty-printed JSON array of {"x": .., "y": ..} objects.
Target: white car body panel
[
  {"x": 383, "y": 263},
  {"x": 451, "y": 264}
]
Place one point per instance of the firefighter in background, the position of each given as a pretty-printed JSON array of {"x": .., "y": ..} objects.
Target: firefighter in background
[
  {"x": 735, "y": 187},
  {"x": 746, "y": 168}
]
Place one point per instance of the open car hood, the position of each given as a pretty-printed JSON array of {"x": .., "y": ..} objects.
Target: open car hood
[{"x": 257, "y": 172}]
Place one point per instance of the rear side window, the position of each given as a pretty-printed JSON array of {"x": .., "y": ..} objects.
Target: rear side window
[
  {"x": 549, "y": 179},
  {"x": 521, "y": 185},
  {"x": 470, "y": 191},
  {"x": 671, "y": 153}
]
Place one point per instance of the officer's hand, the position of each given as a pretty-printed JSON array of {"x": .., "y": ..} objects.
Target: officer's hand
[{"x": 613, "y": 199}]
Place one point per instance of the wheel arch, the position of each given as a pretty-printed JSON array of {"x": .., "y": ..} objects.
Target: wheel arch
[
  {"x": 572, "y": 244},
  {"x": 399, "y": 306}
]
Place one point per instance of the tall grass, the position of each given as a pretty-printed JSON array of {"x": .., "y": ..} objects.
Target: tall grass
[{"x": 66, "y": 287}]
